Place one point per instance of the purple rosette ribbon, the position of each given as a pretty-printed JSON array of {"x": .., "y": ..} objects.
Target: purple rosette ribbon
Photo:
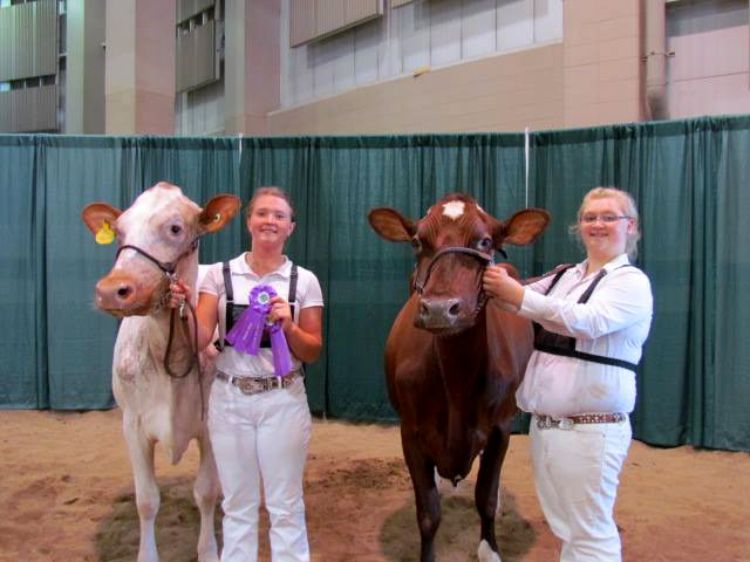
[
  {"x": 246, "y": 334},
  {"x": 282, "y": 358}
]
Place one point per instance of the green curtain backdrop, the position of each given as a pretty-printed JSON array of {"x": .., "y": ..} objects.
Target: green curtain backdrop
[
  {"x": 23, "y": 365},
  {"x": 689, "y": 178}
]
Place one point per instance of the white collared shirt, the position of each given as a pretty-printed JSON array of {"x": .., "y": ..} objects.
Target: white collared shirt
[
  {"x": 244, "y": 280},
  {"x": 615, "y": 323}
]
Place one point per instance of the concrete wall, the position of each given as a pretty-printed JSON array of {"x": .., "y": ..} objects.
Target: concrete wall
[
  {"x": 593, "y": 77},
  {"x": 84, "y": 81},
  {"x": 502, "y": 93},
  {"x": 251, "y": 65},
  {"x": 140, "y": 67},
  {"x": 709, "y": 72},
  {"x": 602, "y": 69}
]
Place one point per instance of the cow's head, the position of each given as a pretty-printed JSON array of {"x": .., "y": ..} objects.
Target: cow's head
[
  {"x": 453, "y": 242},
  {"x": 157, "y": 237}
]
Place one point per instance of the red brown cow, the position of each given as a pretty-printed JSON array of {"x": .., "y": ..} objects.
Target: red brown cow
[
  {"x": 453, "y": 364},
  {"x": 154, "y": 379}
]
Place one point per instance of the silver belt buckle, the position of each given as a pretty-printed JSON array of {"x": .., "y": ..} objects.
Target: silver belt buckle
[
  {"x": 248, "y": 385},
  {"x": 548, "y": 422},
  {"x": 543, "y": 422}
]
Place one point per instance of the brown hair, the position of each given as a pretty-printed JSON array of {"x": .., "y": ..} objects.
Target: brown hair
[
  {"x": 269, "y": 190},
  {"x": 627, "y": 203}
]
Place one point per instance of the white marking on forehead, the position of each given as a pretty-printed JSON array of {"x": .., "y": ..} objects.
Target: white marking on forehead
[{"x": 453, "y": 209}]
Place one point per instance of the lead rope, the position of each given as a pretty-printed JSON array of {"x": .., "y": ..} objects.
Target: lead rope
[{"x": 194, "y": 359}]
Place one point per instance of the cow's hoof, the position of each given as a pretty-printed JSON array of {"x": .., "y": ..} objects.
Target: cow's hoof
[{"x": 486, "y": 554}]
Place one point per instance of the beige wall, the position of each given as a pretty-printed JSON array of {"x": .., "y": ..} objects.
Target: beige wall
[
  {"x": 502, "y": 93},
  {"x": 603, "y": 69},
  {"x": 593, "y": 77},
  {"x": 710, "y": 73},
  {"x": 140, "y": 63},
  {"x": 252, "y": 66},
  {"x": 84, "y": 82}
]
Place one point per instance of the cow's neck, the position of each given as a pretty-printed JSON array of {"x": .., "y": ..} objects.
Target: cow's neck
[
  {"x": 463, "y": 365},
  {"x": 463, "y": 360}
]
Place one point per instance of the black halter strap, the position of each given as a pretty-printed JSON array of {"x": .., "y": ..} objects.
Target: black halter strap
[
  {"x": 483, "y": 258},
  {"x": 168, "y": 267}
]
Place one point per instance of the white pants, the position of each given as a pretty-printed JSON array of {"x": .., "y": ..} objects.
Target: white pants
[
  {"x": 576, "y": 473},
  {"x": 261, "y": 438}
]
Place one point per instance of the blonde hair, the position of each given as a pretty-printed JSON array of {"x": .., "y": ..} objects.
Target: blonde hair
[
  {"x": 627, "y": 204},
  {"x": 269, "y": 190}
]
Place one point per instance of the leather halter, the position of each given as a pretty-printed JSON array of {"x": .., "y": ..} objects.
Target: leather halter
[
  {"x": 168, "y": 267},
  {"x": 481, "y": 257}
]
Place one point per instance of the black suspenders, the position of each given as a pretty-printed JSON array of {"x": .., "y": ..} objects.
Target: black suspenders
[
  {"x": 233, "y": 311},
  {"x": 557, "y": 344}
]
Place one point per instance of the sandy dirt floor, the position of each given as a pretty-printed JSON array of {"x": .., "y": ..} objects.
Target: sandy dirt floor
[{"x": 66, "y": 495}]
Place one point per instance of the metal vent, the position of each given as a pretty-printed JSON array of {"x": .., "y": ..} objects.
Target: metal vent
[
  {"x": 28, "y": 110},
  {"x": 28, "y": 40}
]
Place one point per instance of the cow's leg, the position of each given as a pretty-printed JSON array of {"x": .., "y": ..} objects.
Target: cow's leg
[
  {"x": 422, "y": 472},
  {"x": 206, "y": 493},
  {"x": 486, "y": 493},
  {"x": 141, "y": 451}
]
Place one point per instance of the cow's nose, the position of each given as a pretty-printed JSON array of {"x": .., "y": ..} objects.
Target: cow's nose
[
  {"x": 115, "y": 293},
  {"x": 439, "y": 313}
]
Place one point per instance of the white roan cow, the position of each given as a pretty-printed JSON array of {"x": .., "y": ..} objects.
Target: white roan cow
[{"x": 162, "y": 398}]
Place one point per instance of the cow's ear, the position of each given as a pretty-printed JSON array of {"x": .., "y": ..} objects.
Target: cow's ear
[
  {"x": 100, "y": 218},
  {"x": 218, "y": 212},
  {"x": 391, "y": 225},
  {"x": 522, "y": 228}
]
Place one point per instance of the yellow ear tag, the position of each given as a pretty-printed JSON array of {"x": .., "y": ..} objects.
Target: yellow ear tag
[{"x": 105, "y": 235}]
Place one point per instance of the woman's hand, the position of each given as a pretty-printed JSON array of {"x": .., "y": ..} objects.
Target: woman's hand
[
  {"x": 501, "y": 286},
  {"x": 281, "y": 312},
  {"x": 306, "y": 338},
  {"x": 179, "y": 293}
]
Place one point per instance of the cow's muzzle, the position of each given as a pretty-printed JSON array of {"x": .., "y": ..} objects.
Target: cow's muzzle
[
  {"x": 120, "y": 295},
  {"x": 446, "y": 314}
]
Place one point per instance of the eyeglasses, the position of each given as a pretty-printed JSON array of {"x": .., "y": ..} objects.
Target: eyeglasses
[{"x": 607, "y": 218}]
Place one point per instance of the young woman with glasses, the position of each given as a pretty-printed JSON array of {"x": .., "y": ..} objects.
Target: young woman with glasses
[{"x": 590, "y": 321}]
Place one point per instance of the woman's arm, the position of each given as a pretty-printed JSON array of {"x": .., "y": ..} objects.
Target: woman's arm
[
  {"x": 306, "y": 338},
  {"x": 622, "y": 299},
  {"x": 506, "y": 291}
]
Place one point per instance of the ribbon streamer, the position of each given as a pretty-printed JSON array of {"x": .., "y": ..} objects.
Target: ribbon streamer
[
  {"x": 246, "y": 334},
  {"x": 282, "y": 358}
]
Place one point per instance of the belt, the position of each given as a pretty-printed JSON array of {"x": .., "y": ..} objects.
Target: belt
[
  {"x": 548, "y": 422},
  {"x": 256, "y": 385}
]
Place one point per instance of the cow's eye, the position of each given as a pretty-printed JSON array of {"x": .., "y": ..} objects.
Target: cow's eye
[
  {"x": 416, "y": 244},
  {"x": 485, "y": 244},
  {"x": 175, "y": 229}
]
